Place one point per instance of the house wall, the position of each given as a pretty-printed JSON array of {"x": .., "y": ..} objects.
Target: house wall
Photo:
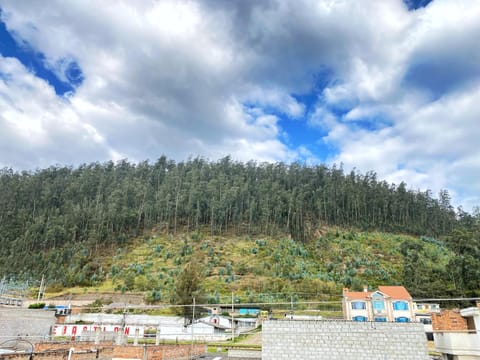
[
  {"x": 463, "y": 345},
  {"x": 369, "y": 312},
  {"x": 452, "y": 335},
  {"x": 339, "y": 340},
  {"x": 171, "y": 328}
]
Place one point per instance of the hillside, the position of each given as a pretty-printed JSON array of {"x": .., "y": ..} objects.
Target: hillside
[
  {"x": 258, "y": 228},
  {"x": 268, "y": 269}
]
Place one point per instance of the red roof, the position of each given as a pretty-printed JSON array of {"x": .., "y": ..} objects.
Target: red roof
[
  {"x": 395, "y": 292},
  {"x": 359, "y": 295}
]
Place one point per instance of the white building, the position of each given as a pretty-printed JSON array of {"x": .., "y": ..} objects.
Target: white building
[
  {"x": 167, "y": 327},
  {"x": 457, "y": 338},
  {"x": 423, "y": 314}
]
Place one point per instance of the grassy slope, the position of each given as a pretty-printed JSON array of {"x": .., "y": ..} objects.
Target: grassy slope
[{"x": 265, "y": 269}]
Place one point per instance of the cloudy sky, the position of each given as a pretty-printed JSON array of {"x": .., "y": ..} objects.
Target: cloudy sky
[{"x": 391, "y": 86}]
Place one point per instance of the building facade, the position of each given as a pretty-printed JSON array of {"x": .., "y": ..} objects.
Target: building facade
[
  {"x": 423, "y": 314},
  {"x": 456, "y": 333},
  {"x": 387, "y": 304}
]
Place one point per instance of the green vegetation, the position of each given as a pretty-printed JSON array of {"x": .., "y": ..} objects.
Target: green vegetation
[
  {"x": 261, "y": 230},
  {"x": 36, "y": 306},
  {"x": 278, "y": 268}
]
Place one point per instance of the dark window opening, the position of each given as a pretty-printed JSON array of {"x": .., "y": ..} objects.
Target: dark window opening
[{"x": 471, "y": 324}]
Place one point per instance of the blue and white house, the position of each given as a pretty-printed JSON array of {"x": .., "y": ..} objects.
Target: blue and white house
[{"x": 388, "y": 303}]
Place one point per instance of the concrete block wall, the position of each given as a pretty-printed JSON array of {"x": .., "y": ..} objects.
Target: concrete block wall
[
  {"x": 339, "y": 340},
  {"x": 31, "y": 324},
  {"x": 244, "y": 354}
]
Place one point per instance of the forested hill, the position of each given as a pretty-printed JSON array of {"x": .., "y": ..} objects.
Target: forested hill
[{"x": 103, "y": 205}]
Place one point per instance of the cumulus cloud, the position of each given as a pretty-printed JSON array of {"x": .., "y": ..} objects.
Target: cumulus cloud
[
  {"x": 424, "y": 112},
  {"x": 37, "y": 127},
  {"x": 389, "y": 89}
]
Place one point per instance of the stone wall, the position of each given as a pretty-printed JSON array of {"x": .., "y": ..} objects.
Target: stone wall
[{"x": 339, "y": 340}]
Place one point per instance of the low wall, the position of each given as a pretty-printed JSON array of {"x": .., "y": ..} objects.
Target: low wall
[
  {"x": 84, "y": 351},
  {"x": 244, "y": 354},
  {"x": 339, "y": 340}
]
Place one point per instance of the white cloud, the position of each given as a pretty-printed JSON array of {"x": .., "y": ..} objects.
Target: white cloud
[
  {"x": 216, "y": 78},
  {"x": 36, "y": 126}
]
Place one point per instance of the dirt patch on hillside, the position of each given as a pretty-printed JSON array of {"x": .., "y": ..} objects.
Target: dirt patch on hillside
[{"x": 133, "y": 299}]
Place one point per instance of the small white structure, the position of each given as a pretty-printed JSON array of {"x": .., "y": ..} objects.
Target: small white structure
[
  {"x": 423, "y": 314},
  {"x": 241, "y": 324},
  {"x": 167, "y": 327},
  {"x": 461, "y": 344}
]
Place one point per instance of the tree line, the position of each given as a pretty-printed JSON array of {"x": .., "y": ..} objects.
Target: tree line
[{"x": 70, "y": 212}]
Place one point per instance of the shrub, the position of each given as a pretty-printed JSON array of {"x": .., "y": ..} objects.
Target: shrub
[{"x": 36, "y": 305}]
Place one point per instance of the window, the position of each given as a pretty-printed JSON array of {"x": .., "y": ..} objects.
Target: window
[
  {"x": 402, "y": 319},
  {"x": 381, "y": 319},
  {"x": 471, "y": 324},
  {"x": 378, "y": 305},
  {"x": 400, "y": 305},
  {"x": 359, "y": 305},
  {"x": 359, "y": 318}
]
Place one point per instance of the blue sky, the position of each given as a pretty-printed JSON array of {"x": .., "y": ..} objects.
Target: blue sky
[{"x": 389, "y": 86}]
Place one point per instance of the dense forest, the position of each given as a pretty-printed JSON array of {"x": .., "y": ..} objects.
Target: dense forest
[{"x": 49, "y": 216}]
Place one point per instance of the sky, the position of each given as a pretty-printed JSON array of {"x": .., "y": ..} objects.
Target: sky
[{"x": 388, "y": 86}]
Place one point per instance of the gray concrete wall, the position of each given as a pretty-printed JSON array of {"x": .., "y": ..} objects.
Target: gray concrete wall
[
  {"x": 339, "y": 340},
  {"x": 244, "y": 354},
  {"x": 31, "y": 324}
]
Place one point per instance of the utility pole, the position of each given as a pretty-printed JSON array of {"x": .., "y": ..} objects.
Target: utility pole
[
  {"x": 291, "y": 306},
  {"x": 41, "y": 291},
  {"x": 193, "y": 321},
  {"x": 233, "y": 322}
]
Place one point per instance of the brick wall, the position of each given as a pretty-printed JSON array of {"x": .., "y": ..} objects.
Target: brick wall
[
  {"x": 449, "y": 320},
  {"x": 340, "y": 340},
  {"x": 161, "y": 352},
  {"x": 83, "y": 351},
  {"x": 60, "y": 354}
]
